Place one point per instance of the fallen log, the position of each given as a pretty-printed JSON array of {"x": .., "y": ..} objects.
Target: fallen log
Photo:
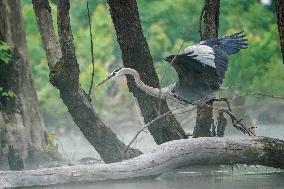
[{"x": 168, "y": 156}]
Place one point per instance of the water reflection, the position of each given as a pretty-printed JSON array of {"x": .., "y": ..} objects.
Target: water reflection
[{"x": 213, "y": 177}]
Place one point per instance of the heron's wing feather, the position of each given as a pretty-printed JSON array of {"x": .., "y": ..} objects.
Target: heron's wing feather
[
  {"x": 230, "y": 44},
  {"x": 221, "y": 62},
  {"x": 202, "y": 54}
]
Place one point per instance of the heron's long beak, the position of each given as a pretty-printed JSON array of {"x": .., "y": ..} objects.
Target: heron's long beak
[{"x": 103, "y": 81}]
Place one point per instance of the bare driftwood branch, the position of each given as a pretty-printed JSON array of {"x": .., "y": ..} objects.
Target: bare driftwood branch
[{"x": 165, "y": 157}]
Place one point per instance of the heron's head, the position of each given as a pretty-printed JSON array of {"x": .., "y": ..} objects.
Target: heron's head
[
  {"x": 170, "y": 58},
  {"x": 117, "y": 72}
]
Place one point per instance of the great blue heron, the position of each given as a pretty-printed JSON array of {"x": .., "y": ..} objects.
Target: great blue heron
[{"x": 201, "y": 69}]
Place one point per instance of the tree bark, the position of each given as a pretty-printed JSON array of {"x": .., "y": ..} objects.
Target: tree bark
[
  {"x": 210, "y": 13},
  {"x": 221, "y": 124},
  {"x": 136, "y": 55},
  {"x": 279, "y": 5},
  {"x": 164, "y": 158},
  {"x": 204, "y": 120},
  {"x": 21, "y": 125},
  {"x": 64, "y": 75}
]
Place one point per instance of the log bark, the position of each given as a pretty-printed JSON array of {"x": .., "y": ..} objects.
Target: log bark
[
  {"x": 210, "y": 13},
  {"x": 279, "y": 5},
  {"x": 168, "y": 156},
  {"x": 21, "y": 125},
  {"x": 136, "y": 55},
  {"x": 64, "y": 75}
]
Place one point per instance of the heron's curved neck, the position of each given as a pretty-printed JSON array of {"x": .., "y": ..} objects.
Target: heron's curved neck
[{"x": 149, "y": 90}]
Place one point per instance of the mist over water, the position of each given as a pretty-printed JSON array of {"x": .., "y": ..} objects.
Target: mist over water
[{"x": 73, "y": 146}]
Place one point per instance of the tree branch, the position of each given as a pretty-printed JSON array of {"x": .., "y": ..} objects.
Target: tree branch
[
  {"x": 92, "y": 52},
  {"x": 48, "y": 37}
]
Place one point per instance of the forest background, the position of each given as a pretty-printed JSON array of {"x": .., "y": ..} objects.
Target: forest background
[{"x": 166, "y": 24}]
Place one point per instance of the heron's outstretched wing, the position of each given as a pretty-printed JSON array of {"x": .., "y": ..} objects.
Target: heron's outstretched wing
[
  {"x": 214, "y": 52},
  {"x": 202, "y": 67}
]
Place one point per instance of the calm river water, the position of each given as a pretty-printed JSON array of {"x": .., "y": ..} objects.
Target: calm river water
[{"x": 243, "y": 177}]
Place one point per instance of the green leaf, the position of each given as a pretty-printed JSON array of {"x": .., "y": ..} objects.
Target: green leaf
[{"x": 5, "y": 55}]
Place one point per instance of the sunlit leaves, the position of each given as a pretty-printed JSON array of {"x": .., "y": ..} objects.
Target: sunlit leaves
[
  {"x": 257, "y": 68},
  {"x": 5, "y": 54},
  {"x": 6, "y": 93},
  {"x": 52, "y": 145}
]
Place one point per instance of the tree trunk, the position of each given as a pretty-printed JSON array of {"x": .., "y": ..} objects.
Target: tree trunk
[
  {"x": 204, "y": 120},
  {"x": 64, "y": 75},
  {"x": 21, "y": 126},
  {"x": 279, "y": 5},
  {"x": 136, "y": 55},
  {"x": 164, "y": 158},
  {"x": 210, "y": 15},
  {"x": 221, "y": 124}
]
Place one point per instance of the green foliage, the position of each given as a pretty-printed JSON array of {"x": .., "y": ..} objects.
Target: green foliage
[
  {"x": 5, "y": 55},
  {"x": 6, "y": 94},
  {"x": 259, "y": 67},
  {"x": 52, "y": 145},
  {"x": 165, "y": 24}
]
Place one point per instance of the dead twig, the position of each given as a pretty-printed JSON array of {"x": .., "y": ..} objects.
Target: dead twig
[
  {"x": 153, "y": 121},
  {"x": 92, "y": 52},
  {"x": 260, "y": 94},
  {"x": 236, "y": 123}
]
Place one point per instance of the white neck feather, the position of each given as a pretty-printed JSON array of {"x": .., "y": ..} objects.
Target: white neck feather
[{"x": 149, "y": 90}]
